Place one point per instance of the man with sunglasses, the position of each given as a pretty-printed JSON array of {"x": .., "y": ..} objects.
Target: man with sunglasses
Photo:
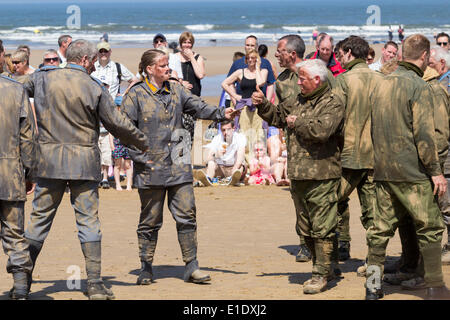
[
  {"x": 159, "y": 41},
  {"x": 442, "y": 40},
  {"x": 51, "y": 58}
]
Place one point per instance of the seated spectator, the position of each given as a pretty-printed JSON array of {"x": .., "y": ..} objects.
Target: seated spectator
[
  {"x": 226, "y": 156},
  {"x": 279, "y": 164},
  {"x": 259, "y": 166}
]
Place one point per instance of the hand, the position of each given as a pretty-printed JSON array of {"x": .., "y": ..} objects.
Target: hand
[
  {"x": 187, "y": 85},
  {"x": 231, "y": 113},
  {"x": 30, "y": 187},
  {"x": 257, "y": 96},
  {"x": 440, "y": 185},
  {"x": 258, "y": 63},
  {"x": 188, "y": 53},
  {"x": 290, "y": 120}
]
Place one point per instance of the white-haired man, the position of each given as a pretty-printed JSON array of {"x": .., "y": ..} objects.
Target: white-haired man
[
  {"x": 440, "y": 61},
  {"x": 314, "y": 128}
]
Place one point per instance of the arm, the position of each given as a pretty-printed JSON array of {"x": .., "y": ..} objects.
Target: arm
[
  {"x": 195, "y": 106},
  {"x": 197, "y": 65},
  {"x": 118, "y": 124},
  {"x": 423, "y": 131},
  {"x": 27, "y": 137},
  {"x": 274, "y": 115},
  {"x": 240, "y": 156},
  {"x": 228, "y": 85},
  {"x": 261, "y": 75}
]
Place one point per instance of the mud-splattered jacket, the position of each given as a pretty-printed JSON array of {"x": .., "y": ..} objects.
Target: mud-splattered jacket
[
  {"x": 69, "y": 105},
  {"x": 354, "y": 86},
  {"x": 17, "y": 140},
  {"x": 157, "y": 112},
  {"x": 403, "y": 127},
  {"x": 441, "y": 115},
  {"x": 315, "y": 143}
]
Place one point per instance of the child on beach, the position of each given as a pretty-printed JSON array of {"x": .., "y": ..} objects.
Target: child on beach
[
  {"x": 121, "y": 160},
  {"x": 259, "y": 165}
]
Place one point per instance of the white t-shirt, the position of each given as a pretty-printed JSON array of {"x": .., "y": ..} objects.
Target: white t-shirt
[
  {"x": 108, "y": 74},
  {"x": 229, "y": 158},
  {"x": 376, "y": 66}
]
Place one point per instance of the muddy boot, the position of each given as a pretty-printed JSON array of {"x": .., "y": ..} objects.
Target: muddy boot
[
  {"x": 417, "y": 283},
  {"x": 446, "y": 254},
  {"x": 373, "y": 283},
  {"x": 20, "y": 288},
  {"x": 34, "y": 248},
  {"x": 344, "y": 250},
  {"x": 96, "y": 289},
  {"x": 432, "y": 265},
  {"x": 361, "y": 271},
  {"x": 146, "y": 252},
  {"x": 322, "y": 268},
  {"x": 315, "y": 285},
  {"x": 188, "y": 244},
  {"x": 336, "y": 271}
]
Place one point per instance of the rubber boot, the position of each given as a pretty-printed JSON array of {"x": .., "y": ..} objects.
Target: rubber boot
[
  {"x": 146, "y": 253},
  {"x": 96, "y": 289},
  {"x": 373, "y": 283},
  {"x": 410, "y": 247},
  {"x": 188, "y": 245},
  {"x": 322, "y": 268},
  {"x": 432, "y": 265},
  {"x": 20, "y": 288},
  {"x": 336, "y": 271},
  {"x": 344, "y": 250},
  {"x": 34, "y": 247}
]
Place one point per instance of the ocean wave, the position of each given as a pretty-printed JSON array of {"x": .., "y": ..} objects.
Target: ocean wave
[
  {"x": 343, "y": 28},
  {"x": 256, "y": 26},
  {"x": 200, "y": 27},
  {"x": 298, "y": 29},
  {"x": 40, "y": 28}
]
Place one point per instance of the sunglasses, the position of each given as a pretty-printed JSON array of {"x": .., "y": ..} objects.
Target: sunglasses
[
  {"x": 159, "y": 41},
  {"x": 103, "y": 51},
  {"x": 16, "y": 62},
  {"x": 442, "y": 43},
  {"x": 51, "y": 59}
]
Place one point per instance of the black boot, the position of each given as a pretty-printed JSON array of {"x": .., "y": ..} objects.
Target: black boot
[
  {"x": 188, "y": 244},
  {"x": 146, "y": 252},
  {"x": 96, "y": 289},
  {"x": 20, "y": 288},
  {"x": 344, "y": 250},
  {"x": 303, "y": 255},
  {"x": 34, "y": 248}
]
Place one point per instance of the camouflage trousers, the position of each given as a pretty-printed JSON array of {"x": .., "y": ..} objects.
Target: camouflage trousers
[
  {"x": 181, "y": 203},
  {"x": 396, "y": 202},
  {"x": 444, "y": 205},
  {"x": 12, "y": 234},
  {"x": 362, "y": 181},
  {"x": 315, "y": 204},
  {"x": 48, "y": 196}
]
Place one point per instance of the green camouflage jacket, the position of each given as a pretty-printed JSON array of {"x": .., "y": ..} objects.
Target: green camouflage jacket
[
  {"x": 403, "y": 127},
  {"x": 69, "y": 106},
  {"x": 17, "y": 146},
  {"x": 286, "y": 85},
  {"x": 157, "y": 112},
  {"x": 354, "y": 87},
  {"x": 314, "y": 145},
  {"x": 441, "y": 115}
]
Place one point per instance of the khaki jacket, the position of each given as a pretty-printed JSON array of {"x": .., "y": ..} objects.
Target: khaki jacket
[
  {"x": 69, "y": 106},
  {"x": 314, "y": 145},
  {"x": 403, "y": 127},
  {"x": 157, "y": 112},
  {"x": 355, "y": 86},
  {"x": 17, "y": 140}
]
